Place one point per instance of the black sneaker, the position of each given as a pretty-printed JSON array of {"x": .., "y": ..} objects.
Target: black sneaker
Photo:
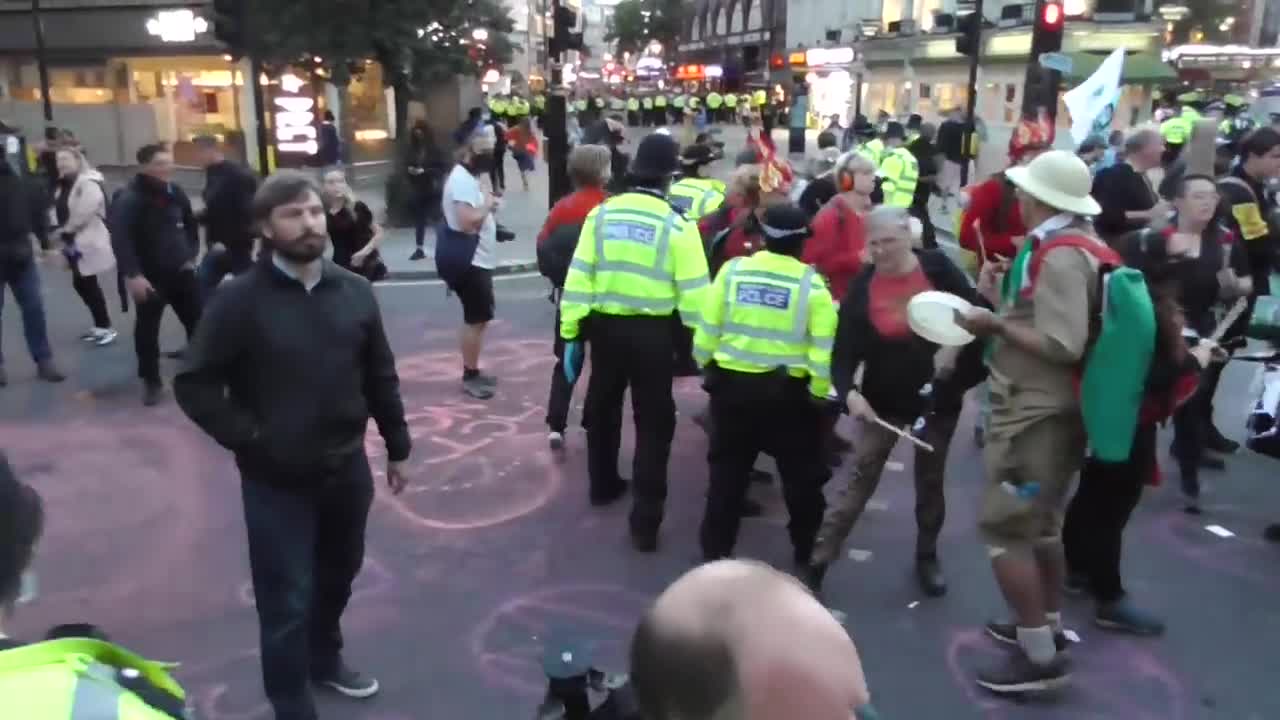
[
  {"x": 1220, "y": 443},
  {"x": 417, "y": 254},
  {"x": 477, "y": 388},
  {"x": 1008, "y": 633},
  {"x": 609, "y": 495},
  {"x": 1270, "y": 534},
  {"x": 1017, "y": 674},
  {"x": 152, "y": 394},
  {"x": 348, "y": 682},
  {"x": 929, "y": 574}
]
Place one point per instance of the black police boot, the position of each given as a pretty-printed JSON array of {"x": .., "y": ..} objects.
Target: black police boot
[{"x": 929, "y": 574}]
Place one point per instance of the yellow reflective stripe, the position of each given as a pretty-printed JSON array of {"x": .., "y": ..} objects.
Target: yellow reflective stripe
[
  {"x": 96, "y": 695},
  {"x": 761, "y": 359},
  {"x": 656, "y": 306},
  {"x": 823, "y": 344},
  {"x": 693, "y": 284},
  {"x": 800, "y": 324}
]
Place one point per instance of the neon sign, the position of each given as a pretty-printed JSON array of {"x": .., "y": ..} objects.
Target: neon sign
[{"x": 294, "y": 117}]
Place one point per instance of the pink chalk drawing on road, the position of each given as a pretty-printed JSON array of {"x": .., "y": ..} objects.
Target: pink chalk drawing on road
[{"x": 508, "y": 644}]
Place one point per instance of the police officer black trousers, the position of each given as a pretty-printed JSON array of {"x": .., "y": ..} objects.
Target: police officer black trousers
[
  {"x": 763, "y": 412},
  {"x": 633, "y": 352}
]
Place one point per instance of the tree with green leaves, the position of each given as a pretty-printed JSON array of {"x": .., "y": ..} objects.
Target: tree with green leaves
[
  {"x": 637, "y": 22},
  {"x": 417, "y": 44}
]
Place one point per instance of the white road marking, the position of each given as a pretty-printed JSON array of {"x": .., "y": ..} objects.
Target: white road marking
[
  {"x": 895, "y": 466},
  {"x": 859, "y": 555},
  {"x": 1219, "y": 531}
]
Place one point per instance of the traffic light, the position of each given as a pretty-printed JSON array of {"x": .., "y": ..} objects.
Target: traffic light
[
  {"x": 228, "y": 24},
  {"x": 1047, "y": 35},
  {"x": 969, "y": 41},
  {"x": 563, "y": 36}
]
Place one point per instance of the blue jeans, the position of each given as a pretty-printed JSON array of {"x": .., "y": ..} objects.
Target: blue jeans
[{"x": 24, "y": 280}]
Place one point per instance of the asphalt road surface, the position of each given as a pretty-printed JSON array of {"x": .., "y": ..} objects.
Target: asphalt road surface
[{"x": 495, "y": 546}]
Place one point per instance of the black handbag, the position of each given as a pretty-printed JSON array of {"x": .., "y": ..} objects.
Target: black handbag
[{"x": 454, "y": 251}]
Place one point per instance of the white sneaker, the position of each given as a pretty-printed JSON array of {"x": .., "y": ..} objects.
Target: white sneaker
[
  {"x": 90, "y": 335},
  {"x": 555, "y": 440},
  {"x": 105, "y": 337}
]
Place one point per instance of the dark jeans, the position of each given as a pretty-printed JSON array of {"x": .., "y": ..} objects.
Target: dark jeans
[
  {"x": 425, "y": 207},
  {"x": 561, "y": 390},
  {"x": 177, "y": 289},
  {"x": 306, "y": 547},
  {"x": 752, "y": 414},
  {"x": 1097, "y": 515},
  {"x": 215, "y": 266},
  {"x": 90, "y": 292},
  {"x": 24, "y": 280},
  {"x": 631, "y": 352},
  {"x": 1191, "y": 423},
  {"x": 498, "y": 175}
]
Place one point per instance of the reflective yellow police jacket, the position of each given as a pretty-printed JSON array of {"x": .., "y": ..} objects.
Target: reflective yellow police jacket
[
  {"x": 694, "y": 101},
  {"x": 77, "y": 679},
  {"x": 731, "y": 101},
  {"x": 680, "y": 100},
  {"x": 580, "y": 104},
  {"x": 767, "y": 311},
  {"x": 901, "y": 172},
  {"x": 539, "y": 102},
  {"x": 715, "y": 100},
  {"x": 660, "y": 101},
  {"x": 498, "y": 106},
  {"x": 647, "y": 102},
  {"x": 617, "y": 103},
  {"x": 760, "y": 98},
  {"x": 519, "y": 107},
  {"x": 873, "y": 151},
  {"x": 1175, "y": 130},
  {"x": 697, "y": 197},
  {"x": 636, "y": 256},
  {"x": 633, "y": 104},
  {"x": 600, "y": 103}
]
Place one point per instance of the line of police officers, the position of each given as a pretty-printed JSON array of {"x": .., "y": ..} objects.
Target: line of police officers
[
  {"x": 764, "y": 332},
  {"x": 641, "y": 109}
]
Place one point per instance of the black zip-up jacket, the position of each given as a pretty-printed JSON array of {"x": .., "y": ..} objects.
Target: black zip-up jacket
[
  {"x": 288, "y": 379},
  {"x": 153, "y": 229},
  {"x": 228, "y": 206},
  {"x": 21, "y": 215},
  {"x": 896, "y": 370}
]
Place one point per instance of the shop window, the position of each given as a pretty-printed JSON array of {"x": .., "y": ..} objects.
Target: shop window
[{"x": 926, "y": 91}]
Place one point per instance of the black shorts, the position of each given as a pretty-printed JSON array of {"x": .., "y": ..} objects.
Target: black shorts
[{"x": 475, "y": 289}]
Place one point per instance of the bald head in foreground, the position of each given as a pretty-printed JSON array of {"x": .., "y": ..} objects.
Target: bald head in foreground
[{"x": 738, "y": 640}]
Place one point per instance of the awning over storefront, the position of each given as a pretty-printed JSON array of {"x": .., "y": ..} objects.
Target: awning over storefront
[{"x": 1139, "y": 68}]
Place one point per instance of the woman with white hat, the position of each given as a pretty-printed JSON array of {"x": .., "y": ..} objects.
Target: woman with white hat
[{"x": 1036, "y": 439}]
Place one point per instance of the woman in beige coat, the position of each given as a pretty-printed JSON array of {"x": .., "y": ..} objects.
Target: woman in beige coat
[{"x": 80, "y": 208}]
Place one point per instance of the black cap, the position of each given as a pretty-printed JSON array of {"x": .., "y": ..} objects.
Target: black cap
[
  {"x": 863, "y": 127},
  {"x": 658, "y": 156},
  {"x": 914, "y": 121},
  {"x": 784, "y": 225},
  {"x": 697, "y": 155},
  {"x": 894, "y": 129}
]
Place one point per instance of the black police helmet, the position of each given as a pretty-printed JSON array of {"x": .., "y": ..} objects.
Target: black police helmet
[{"x": 657, "y": 157}]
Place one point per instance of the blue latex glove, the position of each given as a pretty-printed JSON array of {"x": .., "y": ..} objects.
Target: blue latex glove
[
  {"x": 866, "y": 712},
  {"x": 575, "y": 354}
]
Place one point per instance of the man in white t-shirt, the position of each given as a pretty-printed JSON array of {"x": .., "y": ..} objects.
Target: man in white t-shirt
[{"x": 469, "y": 209}]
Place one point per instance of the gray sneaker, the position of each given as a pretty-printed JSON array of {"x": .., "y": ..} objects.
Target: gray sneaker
[
  {"x": 477, "y": 388},
  {"x": 1017, "y": 674}
]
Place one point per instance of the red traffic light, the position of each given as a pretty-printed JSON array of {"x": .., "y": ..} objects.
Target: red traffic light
[{"x": 1051, "y": 15}]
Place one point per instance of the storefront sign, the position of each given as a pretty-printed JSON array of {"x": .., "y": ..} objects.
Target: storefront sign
[
  {"x": 823, "y": 57},
  {"x": 177, "y": 26},
  {"x": 713, "y": 71},
  {"x": 690, "y": 72},
  {"x": 797, "y": 59},
  {"x": 294, "y": 117}
]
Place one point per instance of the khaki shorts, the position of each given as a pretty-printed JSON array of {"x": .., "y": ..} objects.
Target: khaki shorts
[{"x": 1049, "y": 451}]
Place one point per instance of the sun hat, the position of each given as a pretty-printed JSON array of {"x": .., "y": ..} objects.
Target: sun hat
[{"x": 1058, "y": 179}]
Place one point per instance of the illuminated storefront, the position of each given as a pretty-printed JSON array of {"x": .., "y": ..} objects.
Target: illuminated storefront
[
  {"x": 829, "y": 75},
  {"x": 123, "y": 76}
]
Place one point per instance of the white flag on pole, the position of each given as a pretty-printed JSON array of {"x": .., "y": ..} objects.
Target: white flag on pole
[{"x": 1093, "y": 102}]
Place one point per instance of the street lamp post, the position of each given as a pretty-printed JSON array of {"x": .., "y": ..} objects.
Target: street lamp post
[{"x": 42, "y": 63}]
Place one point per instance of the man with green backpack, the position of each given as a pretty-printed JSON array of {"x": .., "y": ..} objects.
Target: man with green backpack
[
  {"x": 1064, "y": 300},
  {"x": 75, "y": 672}
]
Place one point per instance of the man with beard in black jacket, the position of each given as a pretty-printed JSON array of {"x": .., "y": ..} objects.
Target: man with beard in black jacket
[
  {"x": 273, "y": 342},
  {"x": 155, "y": 238},
  {"x": 228, "y": 201},
  {"x": 21, "y": 216}
]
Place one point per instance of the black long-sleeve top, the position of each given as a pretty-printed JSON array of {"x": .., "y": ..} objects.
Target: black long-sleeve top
[
  {"x": 896, "y": 370},
  {"x": 287, "y": 379},
  {"x": 228, "y": 206},
  {"x": 153, "y": 228},
  {"x": 1120, "y": 189}
]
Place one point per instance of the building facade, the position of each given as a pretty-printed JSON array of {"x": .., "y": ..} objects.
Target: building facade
[
  {"x": 740, "y": 40},
  {"x": 123, "y": 73}
]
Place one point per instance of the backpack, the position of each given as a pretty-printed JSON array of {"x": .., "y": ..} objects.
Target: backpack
[
  {"x": 1117, "y": 363},
  {"x": 39, "y": 681},
  {"x": 556, "y": 253}
]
